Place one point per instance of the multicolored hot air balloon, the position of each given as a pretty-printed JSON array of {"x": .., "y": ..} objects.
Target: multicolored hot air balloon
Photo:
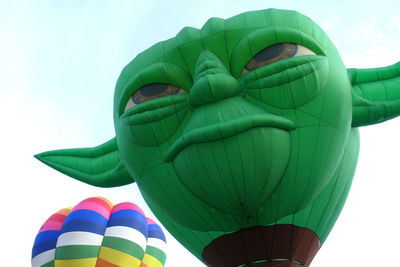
[{"x": 95, "y": 233}]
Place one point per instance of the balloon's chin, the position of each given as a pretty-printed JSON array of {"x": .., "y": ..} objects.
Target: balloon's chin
[{"x": 235, "y": 175}]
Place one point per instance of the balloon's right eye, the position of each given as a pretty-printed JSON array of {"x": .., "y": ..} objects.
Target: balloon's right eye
[
  {"x": 275, "y": 53},
  {"x": 152, "y": 91}
]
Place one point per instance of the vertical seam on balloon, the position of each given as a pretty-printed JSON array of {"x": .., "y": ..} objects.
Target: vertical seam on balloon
[
  {"x": 227, "y": 54},
  {"x": 277, "y": 190},
  {"x": 243, "y": 174},
  {"x": 296, "y": 176},
  {"x": 333, "y": 191},
  {"x": 345, "y": 187},
  {"x": 263, "y": 241},
  {"x": 163, "y": 188},
  {"x": 297, "y": 123},
  {"x": 338, "y": 202},
  {"x": 184, "y": 60},
  {"x": 227, "y": 159},
  {"x": 385, "y": 90},
  {"x": 297, "y": 158},
  {"x": 291, "y": 247},
  {"x": 249, "y": 46},
  {"x": 254, "y": 164},
  {"x": 273, "y": 238},
  {"x": 385, "y": 106},
  {"x": 210, "y": 90},
  {"x": 219, "y": 250},
  {"x": 315, "y": 146},
  {"x": 243, "y": 238},
  {"x": 306, "y": 223},
  {"x": 206, "y": 171},
  {"x": 188, "y": 160},
  {"x": 269, "y": 167},
  {"x": 146, "y": 162},
  {"x": 138, "y": 156},
  {"x": 313, "y": 31},
  {"x": 312, "y": 164},
  {"x": 180, "y": 126},
  {"x": 167, "y": 192},
  {"x": 359, "y": 85},
  {"x": 200, "y": 201},
  {"x": 379, "y": 81},
  {"x": 348, "y": 180},
  {"x": 220, "y": 175}
]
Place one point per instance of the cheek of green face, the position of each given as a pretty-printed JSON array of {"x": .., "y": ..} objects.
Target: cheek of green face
[
  {"x": 320, "y": 104},
  {"x": 154, "y": 123},
  {"x": 319, "y": 141}
]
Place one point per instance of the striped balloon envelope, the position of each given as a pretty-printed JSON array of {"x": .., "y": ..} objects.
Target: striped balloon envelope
[{"x": 97, "y": 233}]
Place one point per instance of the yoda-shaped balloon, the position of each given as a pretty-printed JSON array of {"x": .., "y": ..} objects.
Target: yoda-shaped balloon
[{"x": 241, "y": 136}]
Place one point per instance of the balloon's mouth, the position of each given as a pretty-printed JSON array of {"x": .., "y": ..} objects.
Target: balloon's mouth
[{"x": 227, "y": 129}]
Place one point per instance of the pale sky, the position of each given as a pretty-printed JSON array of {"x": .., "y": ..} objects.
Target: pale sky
[{"x": 59, "y": 61}]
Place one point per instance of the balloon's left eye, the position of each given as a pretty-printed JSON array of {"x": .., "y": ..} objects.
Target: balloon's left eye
[
  {"x": 275, "y": 53},
  {"x": 152, "y": 91}
]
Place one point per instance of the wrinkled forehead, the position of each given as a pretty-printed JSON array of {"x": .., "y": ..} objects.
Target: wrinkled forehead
[{"x": 222, "y": 37}]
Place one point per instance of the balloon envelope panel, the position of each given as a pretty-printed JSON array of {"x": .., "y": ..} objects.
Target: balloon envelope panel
[{"x": 97, "y": 233}]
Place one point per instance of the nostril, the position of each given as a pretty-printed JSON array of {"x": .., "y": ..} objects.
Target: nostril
[{"x": 207, "y": 67}]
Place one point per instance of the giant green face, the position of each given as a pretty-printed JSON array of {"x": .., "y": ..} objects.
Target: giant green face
[
  {"x": 243, "y": 134},
  {"x": 229, "y": 118}
]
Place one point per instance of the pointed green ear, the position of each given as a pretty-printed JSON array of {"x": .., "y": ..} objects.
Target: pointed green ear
[
  {"x": 376, "y": 94},
  {"x": 99, "y": 166}
]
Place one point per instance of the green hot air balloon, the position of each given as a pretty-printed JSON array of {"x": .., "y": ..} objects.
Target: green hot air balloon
[{"x": 242, "y": 136}]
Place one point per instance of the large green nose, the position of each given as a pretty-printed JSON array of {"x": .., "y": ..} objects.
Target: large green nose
[{"x": 212, "y": 81}]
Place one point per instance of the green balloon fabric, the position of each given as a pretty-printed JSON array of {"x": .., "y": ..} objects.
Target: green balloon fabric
[{"x": 241, "y": 136}]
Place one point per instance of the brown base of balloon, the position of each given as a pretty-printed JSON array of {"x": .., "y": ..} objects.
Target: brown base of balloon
[
  {"x": 282, "y": 245},
  {"x": 274, "y": 264}
]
